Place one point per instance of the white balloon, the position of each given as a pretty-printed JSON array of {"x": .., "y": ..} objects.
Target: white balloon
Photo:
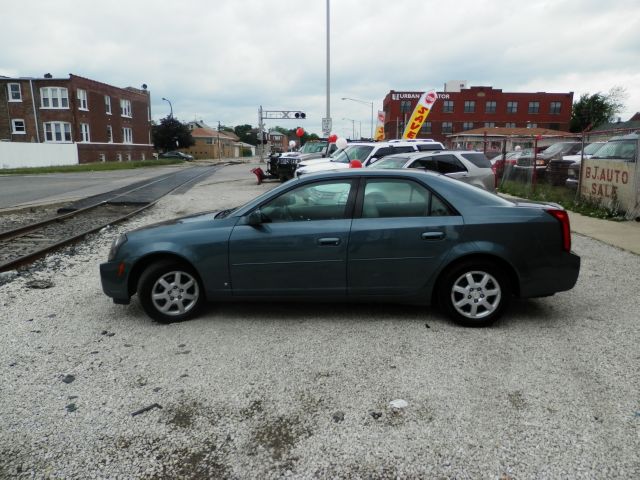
[
  {"x": 341, "y": 142},
  {"x": 292, "y": 143}
]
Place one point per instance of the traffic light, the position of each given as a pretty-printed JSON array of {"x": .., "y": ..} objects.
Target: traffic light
[{"x": 300, "y": 115}]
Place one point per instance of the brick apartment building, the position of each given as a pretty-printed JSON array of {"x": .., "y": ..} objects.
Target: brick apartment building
[
  {"x": 106, "y": 123},
  {"x": 459, "y": 108}
]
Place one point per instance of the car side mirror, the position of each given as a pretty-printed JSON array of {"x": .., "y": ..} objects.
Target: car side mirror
[{"x": 254, "y": 218}]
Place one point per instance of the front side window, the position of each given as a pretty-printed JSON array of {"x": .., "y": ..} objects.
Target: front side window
[
  {"x": 57, "y": 132},
  {"x": 84, "y": 132},
  {"x": 490, "y": 107},
  {"x": 54, "y": 97},
  {"x": 555, "y": 108},
  {"x": 316, "y": 201},
  {"x": 388, "y": 198},
  {"x": 534, "y": 107},
  {"x": 447, "y": 106},
  {"x": 512, "y": 107},
  {"x": 127, "y": 135},
  {"x": 15, "y": 94},
  {"x": 82, "y": 99},
  {"x": 125, "y": 107},
  {"x": 107, "y": 104},
  {"x": 469, "y": 106},
  {"x": 18, "y": 126}
]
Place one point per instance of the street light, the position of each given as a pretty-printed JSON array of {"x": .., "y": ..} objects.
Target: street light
[
  {"x": 366, "y": 103},
  {"x": 170, "y": 106}
]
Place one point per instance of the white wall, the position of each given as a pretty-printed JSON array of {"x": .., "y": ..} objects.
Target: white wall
[{"x": 20, "y": 155}]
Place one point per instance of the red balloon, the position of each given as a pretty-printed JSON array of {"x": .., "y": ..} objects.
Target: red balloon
[
  {"x": 332, "y": 138},
  {"x": 300, "y": 131},
  {"x": 355, "y": 164}
]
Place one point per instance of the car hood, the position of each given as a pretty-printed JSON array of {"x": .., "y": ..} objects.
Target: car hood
[
  {"x": 323, "y": 166},
  {"x": 191, "y": 220}
]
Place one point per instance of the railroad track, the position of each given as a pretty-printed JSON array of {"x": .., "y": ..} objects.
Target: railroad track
[{"x": 27, "y": 243}]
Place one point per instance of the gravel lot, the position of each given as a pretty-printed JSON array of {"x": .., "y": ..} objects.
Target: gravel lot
[{"x": 287, "y": 390}]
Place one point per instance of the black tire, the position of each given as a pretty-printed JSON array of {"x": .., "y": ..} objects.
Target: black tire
[
  {"x": 474, "y": 293},
  {"x": 170, "y": 291}
]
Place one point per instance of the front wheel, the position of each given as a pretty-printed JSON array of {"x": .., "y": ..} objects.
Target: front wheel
[
  {"x": 170, "y": 291},
  {"x": 475, "y": 294}
]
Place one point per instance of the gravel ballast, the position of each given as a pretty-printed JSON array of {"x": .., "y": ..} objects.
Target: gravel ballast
[{"x": 90, "y": 389}]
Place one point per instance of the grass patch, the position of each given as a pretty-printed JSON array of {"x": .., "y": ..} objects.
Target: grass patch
[
  {"x": 92, "y": 167},
  {"x": 564, "y": 196}
]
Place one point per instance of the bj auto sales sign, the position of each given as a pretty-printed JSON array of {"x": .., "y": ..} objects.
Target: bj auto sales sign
[{"x": 610, "y": 182}]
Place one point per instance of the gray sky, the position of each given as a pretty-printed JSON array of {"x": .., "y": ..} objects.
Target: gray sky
[{"x": 221, "y": 59}]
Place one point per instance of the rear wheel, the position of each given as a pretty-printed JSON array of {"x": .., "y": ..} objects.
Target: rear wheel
[
  {"x": 475, "y": 293},
  {"x": 170, "y": 291}
]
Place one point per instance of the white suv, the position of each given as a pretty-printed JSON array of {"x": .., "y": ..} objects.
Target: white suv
[{"x": 367, "y": 153}]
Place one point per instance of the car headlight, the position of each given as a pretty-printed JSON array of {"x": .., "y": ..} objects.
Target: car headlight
[
  {"x": 540, "y": 162},
  {"x": 115, "y": 245}
]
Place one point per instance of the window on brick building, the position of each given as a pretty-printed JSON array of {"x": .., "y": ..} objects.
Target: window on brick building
[
  {"x": 489, "y": 124},
  {"x": 82, "y": 99},
  {"x": 534, "y": 107},
  {"x": 18, "y": 126},
  {"x": 490, "y": 107},
  {"x": 127, "y": 135},
  {"x": 467, "y": 126},
  {"x": 510, "y": 125},
  {"x": 555, "y": 107},
  {"x": 109, "y": 134},
  {"x": 405, "y": 106},
  {"x": 447, "y": 127},
  {"x": 107, "y": 104},
  {"x": 54, "y": 97},
  {"x": 15, "y": 94},
  {"x": 448, "y": 106},
  {"x": 469, "y": 106},
  {"x": 125, "y": 107},
  {"x": 84, "y": 132},
  {"x": 426, "y": 127},
  {"x": 512, "y": 107},
  {"x": 57, "y": 132}
]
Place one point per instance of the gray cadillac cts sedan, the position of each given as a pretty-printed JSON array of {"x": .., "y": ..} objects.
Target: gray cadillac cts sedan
[{"x": 354, "y": 235}]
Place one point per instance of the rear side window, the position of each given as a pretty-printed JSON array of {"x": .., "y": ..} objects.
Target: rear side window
[
  {"x": 403, "y": 149},
  {"x": 400, "y": 198},
  {"x": 478, "y": 159},
  {"x": 449, "y": 164}
]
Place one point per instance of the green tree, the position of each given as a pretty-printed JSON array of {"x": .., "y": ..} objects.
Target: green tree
[
  {"x": 171, "y": 134},
  {"x": 589, "y": 111},
  {"x": 246, "y": 133}
]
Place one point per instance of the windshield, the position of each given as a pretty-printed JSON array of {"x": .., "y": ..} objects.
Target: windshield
[
  {"x": 352, "y": 152},
  {"x": 592, "y": 148},
  {"x": 555, "y": 148},
  {"x": 313, "y": 147},
  {"x": 390, "y": 162},
  {"x": 623, "y": 149}
]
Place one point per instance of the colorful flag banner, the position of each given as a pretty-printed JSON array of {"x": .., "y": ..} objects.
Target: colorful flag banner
[
  {"x": 380, "y": 127},
  {"x": 419, "y": 115}
]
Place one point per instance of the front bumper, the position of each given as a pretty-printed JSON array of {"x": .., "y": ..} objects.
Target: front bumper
[{"x": 114, "y": 278}]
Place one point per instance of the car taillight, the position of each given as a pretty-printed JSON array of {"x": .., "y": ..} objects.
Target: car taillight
[{"x": 563, "y": 217}]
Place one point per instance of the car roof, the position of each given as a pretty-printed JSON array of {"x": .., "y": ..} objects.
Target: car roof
[{"x": 427, "y": 153}]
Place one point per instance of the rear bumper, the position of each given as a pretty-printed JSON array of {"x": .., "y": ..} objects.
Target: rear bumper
[{"x": 558, "y": 274}]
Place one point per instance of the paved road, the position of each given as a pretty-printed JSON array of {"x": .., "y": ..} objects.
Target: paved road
[{"x": 26, "y": 190}]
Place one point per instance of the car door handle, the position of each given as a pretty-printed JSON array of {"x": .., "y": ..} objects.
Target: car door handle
[
  {"x": 432, "y": 235},
  {"x": 328, "y": 241}
]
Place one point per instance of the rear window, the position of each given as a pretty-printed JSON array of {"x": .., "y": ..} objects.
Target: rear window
[{"x": 478, "y": 159}]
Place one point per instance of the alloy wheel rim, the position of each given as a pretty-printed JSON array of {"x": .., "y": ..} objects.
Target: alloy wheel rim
[
  {"x": 175, "y": 293},
  {"x": 476, "y": 295}
]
